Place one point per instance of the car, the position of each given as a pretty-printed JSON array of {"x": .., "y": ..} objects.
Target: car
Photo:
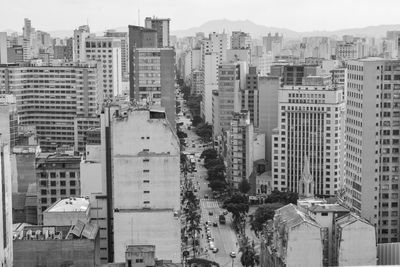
[
  {"x": 215, "y": 250},
  {"x": 225, "y": 212},
  {"x": 195, "y": 190},
  {"x": 215, "y": 224},
  {"x": 210, "y": 213},
  {"x": 232, "y": 254},
  {"x": 193, "y": 145},
  {"x": 212, "y": 245}
]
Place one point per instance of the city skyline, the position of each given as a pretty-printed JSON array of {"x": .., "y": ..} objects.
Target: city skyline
[{"x": 312, "y": 14}]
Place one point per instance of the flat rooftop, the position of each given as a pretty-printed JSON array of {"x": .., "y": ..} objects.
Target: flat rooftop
[{"x": 70, "y": 205}]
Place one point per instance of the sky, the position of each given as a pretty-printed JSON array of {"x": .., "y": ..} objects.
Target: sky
[{"x": 297, "y": 15}]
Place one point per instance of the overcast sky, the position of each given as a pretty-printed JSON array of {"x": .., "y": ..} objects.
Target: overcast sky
[{"x": 298, "y": 15}]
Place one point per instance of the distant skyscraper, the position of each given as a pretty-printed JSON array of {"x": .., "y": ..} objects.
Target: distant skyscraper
[
  {"x": 123, "y": 36},
  {"x": 240, "y": 40},
  {"x": 270, "y": 41},
  {"x": 310, "y": 125},
  {"x": 3, "y": 48},
  {"x": 372, "y": 173},
  {"x": 27, "y": 29},
  {"x": 79, "y": 49},
  {"x": 162, "y": 28}
]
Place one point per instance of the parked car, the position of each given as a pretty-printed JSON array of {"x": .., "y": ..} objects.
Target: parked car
[
  {"x": 222, "y": 219},
  {"x": 215, "y": 250},
  {"x": 215, "y": 224},
  {"x": 232, "y": 254},
  {"x": 210, "y": 213}
]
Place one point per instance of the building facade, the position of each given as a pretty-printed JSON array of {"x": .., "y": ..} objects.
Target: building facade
[
  {"x": 162, "y": 28},
  {"x": 79, "y": 49}
]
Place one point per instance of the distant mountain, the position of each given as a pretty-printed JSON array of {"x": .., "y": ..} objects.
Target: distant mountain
[
  {"x": 239, "y": 25},
  {"x": 370, "y": 31}
]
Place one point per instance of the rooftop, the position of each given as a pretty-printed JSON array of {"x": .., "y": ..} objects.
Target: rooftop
[
  {"x": 328, "y": 208},
  {"x": 70, "y": 205},
  {"x": 140, "y": 248},
  {"x": 290, "y": 215}
]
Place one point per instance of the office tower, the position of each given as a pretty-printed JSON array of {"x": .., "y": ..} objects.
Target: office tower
[
  {"x": 61, "y": 101},
  {"x": 345, "y": 51},
  {"x": 123, "y": 36},
  {"x": 250, "y": 96},
  {"x": 228, "y": 96},
  {"x": 240, "y": 158},
  {"x": 139, "y": 37},
  {"x": 154, "y": 78},
  {"x": 27, "y": 29},
  {"x": 270, "y": 41},
  {"x": 268, "y": 91},
  {"x": 79, "y": 49},
  {"x": 3, "y": 48},
  {"x": 162, "y": 28},
  {"x": 310, "y": 126},
  {"x": 372, "y": 143},
  {"x": 146, "y": 194},
  {"x": 108, "y": 51},
  {"x": 240, "y": 40},
  {"x": 58, "y": 177}
]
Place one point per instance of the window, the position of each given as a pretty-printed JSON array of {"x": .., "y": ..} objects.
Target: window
[
  {"x": 63, "y": 191},
  {"x": 139, "y": 260},
  {"x": 146, "y": 181},
  {"x": 62, "y": 183},
  {"x": 146, "y": 202},
  {"x": 62, "y": 174},
  {"x": 72, "y": 183},
  {"x": 53, "y": 192},
  {"x": 44, "y": 200},
  {"x": 53, "y": 183},
  {"x": 146, "y": 192},
  {"x": 72, "y": 191},
  {"x": 72, "y": 174},
  {"x": 52, "y": 175},
  {"x": 146, "y": 170}
]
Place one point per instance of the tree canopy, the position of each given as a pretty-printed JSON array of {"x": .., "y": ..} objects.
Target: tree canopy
[
  {"x": 197, "y": 120},
  {"x": 204, "y": 131},
  {"x": 244, "y": 186},
  {"x": 282, "y": 197},
  {"x": 209, "y": 153},
  {"x": 263, "y": 214}
]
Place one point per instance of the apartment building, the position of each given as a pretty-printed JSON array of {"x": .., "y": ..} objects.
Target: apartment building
[
  {"x": 345, "y": 51},
  {"x": 310, "y": 125},
  {"x": 250, "y": 96},
  {"x": 79, "y": 49},
  {"x": 240, "y": 40},
  {"x": 373, "y": 143},
  {"x": 61, "y": 101},
  {"x": 123, "y": 36},
  {"x": 57, "y": 177},
  {"x": 107, "y": 50},
  {"x": 162, "y": 28}
]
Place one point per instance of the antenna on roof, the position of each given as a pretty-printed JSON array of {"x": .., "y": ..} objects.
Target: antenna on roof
[{"x": 138, "y": 17}]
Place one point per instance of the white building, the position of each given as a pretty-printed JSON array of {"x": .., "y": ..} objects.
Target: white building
[
  {"x": 107, "y": 50},
  {"x": 79, "y": 49},
  {"x": 146, "y": 184},
  {"x": 210, "y": 83},
  {"x": 3, "y": 48},
  {"x": 240, "y": 40},
  {"x": 310, "y": 124}
]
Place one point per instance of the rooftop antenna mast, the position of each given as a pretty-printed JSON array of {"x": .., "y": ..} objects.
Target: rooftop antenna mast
[{"x": 138, "y": 17}]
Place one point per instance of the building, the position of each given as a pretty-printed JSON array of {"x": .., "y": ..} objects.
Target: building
[
  {"x": 49, "y": 245},
  {"x": 333, "y": 235},
  {"x": 209, "y": 83},
  {"x": 373, "y": 144},
  {"x": 8, "y": 120},
  {"x": 61, "y": 101},
  {"x": 294, "y": 74},
  {"x": 3, "y": 48},
  {"x": 67, "y": 212},
  {"x": 345, "y": 51},
  {"x": 154, "y": 78},
  {"x": 58, "y": 177},
  {"x": 268, "y": 92},
  {"x": 79, "y": 48},
  {"x": 261, "y": 59},
  {"x": 15, "y": 54},
  {"x": 228, "y": 95},
  {"x": 123, "y": 36},
  {"x": 272, "y": 40},
  {"x": 146, "y": 183},
  {"x": 162, "y": 28},
  {"x": 310, "y": 125},
  {"x": 107, "y": 50},
  {"x": 240, "y": 40},
  {"x": 6, "y": 242},
  {"x": 240, "y": 157},
  {"x": 250, "y": 96}
]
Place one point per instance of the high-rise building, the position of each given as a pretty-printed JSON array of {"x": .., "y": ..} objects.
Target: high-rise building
[
  {"x": 345, "y": 51},
  {"x": 146, "y": 194},
  {"x": 310, "y": 125},
  {"x": 15, "y": 54},
  {"x": 27, "y": 29},
  {"x": 58, "y": 177},
  {"x": 373, "y": 143},
  {"x": 123, "y": 36},
  {"x": 240, "y": 157},
  {"x": 107, "y": 50},
  {"x": 162, "y": 28},
  {"x": 240, "y": 40},
  {"x": 272, "y": 40},
  {"x": 3, "y": 48},
  {"x": 250, "y": 96},
  {"x": 61, "y": 101},
  {"x": 6, "y": 240},
  {"x": 79, "y": 49},
  {"x": 209, "y": 83},
  {"x": 154, "y": 78}
]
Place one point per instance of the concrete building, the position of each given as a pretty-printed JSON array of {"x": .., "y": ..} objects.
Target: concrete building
[
  {"x": 192, "y": 62},
  {"x": 107, "y": 50},
  {"x": 58, "y": 177},
  {"x": 67, "y": 212},
  {"x": 372, "y": 144},
  {"x": 6, "y": 243},
  {"x": 261, "y": 59},
  {"x": 240, "y": 149},
  {"x": 333, "y": 235},
  {"x": 228, "y": 94},
  {"x": 345, "y": 51},
  {"x": 209, "y": 83},
  {"x": 145, "y": 160},
  {"x": 310, "y": 125},
  {"x": 271, "y": 41},
  {"x": 61, "y": 101},
  {"x": 240, "y": 40},
  {"x": 79, "y": 49},
  {"x": 123, "y": 36},
  {"x": 15, "y": 54},
  {"x": 3, "y": 48},
  {"x": 162, "y": 28},
  {"x": 8, "y": 120},
  {"x": 250, "y": 96},
  {"x": 154, "y": 78},
  {"x": 268, "y": 92},
  {"x": 196, "y": 82},
  {"x": 49, "y": 245},
  {"x": 294, "y": 74}
]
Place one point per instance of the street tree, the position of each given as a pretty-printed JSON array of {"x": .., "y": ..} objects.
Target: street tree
[
  {"x": 244, "y": 186},
  {"x": 262, "y": 215}
]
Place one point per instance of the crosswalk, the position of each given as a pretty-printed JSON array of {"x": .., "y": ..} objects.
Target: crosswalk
[{"x": 209, "y": 203}]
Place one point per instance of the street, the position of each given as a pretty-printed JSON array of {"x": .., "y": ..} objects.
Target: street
[{"x": 223, "y": 235}]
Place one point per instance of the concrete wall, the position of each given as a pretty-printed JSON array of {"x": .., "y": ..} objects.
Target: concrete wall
[
  {"x": 157, "y": 227},
  {"x": 167, "y": 68},
  {"x": 303, "y": 239}
]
